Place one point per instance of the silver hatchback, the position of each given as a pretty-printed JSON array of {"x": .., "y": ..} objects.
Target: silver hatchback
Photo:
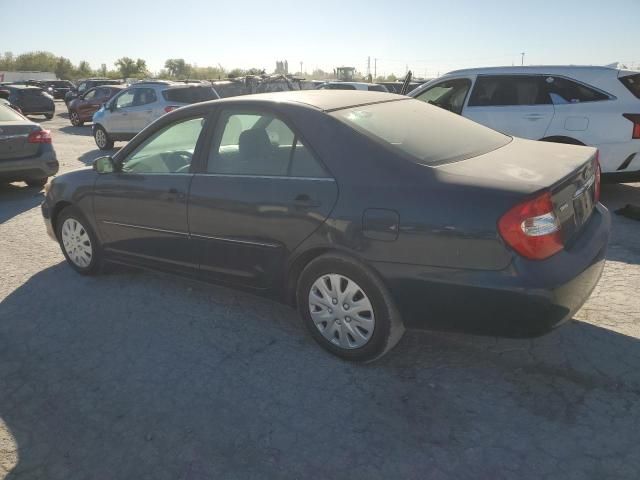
[{"x": 126, "y": 114}]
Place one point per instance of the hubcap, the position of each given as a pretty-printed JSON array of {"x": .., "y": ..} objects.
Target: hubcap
[
  {"x": 74, "y": 117},
  {"x": 101, "y": 139},
  {"x": 76, "y": 242},
  {"x": 341, "y": 311}
]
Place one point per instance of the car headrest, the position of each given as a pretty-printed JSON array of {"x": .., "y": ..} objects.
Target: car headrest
[{"x": 254, "y": 144}]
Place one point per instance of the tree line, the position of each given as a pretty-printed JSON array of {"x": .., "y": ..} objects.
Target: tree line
[{"x": 127, "y": 67}]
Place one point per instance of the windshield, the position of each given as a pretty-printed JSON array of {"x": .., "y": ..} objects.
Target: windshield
[{"x": 427, "y": 134}]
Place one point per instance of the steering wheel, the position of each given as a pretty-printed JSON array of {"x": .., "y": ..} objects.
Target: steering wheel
[{"x": 178, "y": 161}]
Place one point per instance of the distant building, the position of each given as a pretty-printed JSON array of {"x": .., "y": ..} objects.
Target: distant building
[
  {"x": 26, "y": 75},
  {"x": 282, "y": 68}
]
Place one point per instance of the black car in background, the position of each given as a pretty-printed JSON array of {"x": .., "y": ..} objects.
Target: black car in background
[
  {"x": 59, "y": 88},
  {"x": 86, "y": 85},
  {"x": 367, "y": 211},
  {"x": 31, "y": 100}
]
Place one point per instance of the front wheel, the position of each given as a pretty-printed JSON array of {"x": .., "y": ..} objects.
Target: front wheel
[
  {"x": 79, "y": 243},
  {"x": 75, "y": 119},
  {"x": 48, "y": 116},
  {"x": 347, "y": 309},
  {"x": 37, "y": 182},
  {"x": 102, "y": 139}
]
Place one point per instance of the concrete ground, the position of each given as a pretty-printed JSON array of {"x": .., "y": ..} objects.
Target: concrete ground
[{"x": 135, "y": 375}]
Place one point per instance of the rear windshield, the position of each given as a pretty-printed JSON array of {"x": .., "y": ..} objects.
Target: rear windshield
[
  {"x": 189, "y": 94},
  {"x": 7, "y": 114},
  {"x": 632, "y": 82},
  {"x": 428, "y": 135}
]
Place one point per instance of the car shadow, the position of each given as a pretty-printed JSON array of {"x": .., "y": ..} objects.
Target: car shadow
[
  {"x": 137, "y": 375},
  {"x": 17, "y": 198},
  {"x": 84, "y": 130},
  {"x": 88, "y": 157},
  {"x": 624, "y": 243}
]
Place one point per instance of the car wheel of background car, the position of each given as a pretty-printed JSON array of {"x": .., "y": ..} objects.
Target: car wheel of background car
[
  {"x": 347, "y": 309},
  {"x": 78, "y": 242},
  {"x": 102, "y": 139},
  {"x": 48, "y": 116},
  {"x": 37, "y": 182},
  {"x": 75, "y": 119}
]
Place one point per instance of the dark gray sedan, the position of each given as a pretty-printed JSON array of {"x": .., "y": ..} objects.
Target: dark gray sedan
[
  {"x": 369, "y": 212},
  {"x": 26, "y": 152}
]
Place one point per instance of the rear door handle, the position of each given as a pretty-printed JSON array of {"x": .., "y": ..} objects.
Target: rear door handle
[
  {"x": 305, "y": 201},
  {"x": 173, "y": 194},
  {"x": 534, "y": 116}
]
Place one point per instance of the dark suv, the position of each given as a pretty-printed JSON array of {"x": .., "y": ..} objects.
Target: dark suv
[
  {"x": 31, "y": 100},
  {"x": 86, "y": 85},
  {"x": 59, "y": 88}
]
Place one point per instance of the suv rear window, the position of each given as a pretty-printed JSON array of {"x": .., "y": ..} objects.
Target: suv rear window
[
  {"x": 428, "y": 135},
  {"x": 189, "y": 94},
  {"x": 563, "y": 90},
  {"x": 632, "y": 82}
]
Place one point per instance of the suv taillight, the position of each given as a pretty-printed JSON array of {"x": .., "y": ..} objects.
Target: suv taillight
[
  {"x": 39, "y": 136},
  {"x": 635, "y": 119},
  {"x": 170, "y": 108},
  {"x": 598, "y": 172},
  {"x": 532, "y": 229}
]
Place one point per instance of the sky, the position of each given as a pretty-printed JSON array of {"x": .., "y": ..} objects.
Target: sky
[{"x": 428, "y": 37}]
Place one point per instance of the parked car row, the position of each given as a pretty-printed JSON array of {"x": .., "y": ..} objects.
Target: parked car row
[{"x": 596, "y": 106}]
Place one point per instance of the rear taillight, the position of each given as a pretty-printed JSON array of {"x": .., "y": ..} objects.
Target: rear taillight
[
  {"x": 170, "y": 108},
  {"x": 596, "y": 167},
  {"x": 635, "y": 119},
  {"x": 532, "y": 229},
  {"x": 39, "y": 136}
]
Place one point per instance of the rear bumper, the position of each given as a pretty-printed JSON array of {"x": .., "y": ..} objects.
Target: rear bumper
[
  {"x": 46, "y": 216},
  {"x": 30, "y": 168},
  {"x": 528, "y": 298}
]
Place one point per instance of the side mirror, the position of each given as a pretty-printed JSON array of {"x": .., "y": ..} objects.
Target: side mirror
[{"x": 104, "y": 165}]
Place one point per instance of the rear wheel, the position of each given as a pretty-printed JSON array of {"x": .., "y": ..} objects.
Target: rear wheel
[
  {"x": 37, "y": 182},
  {"x": 48, "y": 116},
  {"x": 78, "y": 241},
  {"x": 347, "y": 309},
  {"x": 103, "y": 141},
  {"x": 75, "y": 119}
]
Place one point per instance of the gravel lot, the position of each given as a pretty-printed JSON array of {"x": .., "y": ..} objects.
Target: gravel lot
[{"x": 135, "y": 375}]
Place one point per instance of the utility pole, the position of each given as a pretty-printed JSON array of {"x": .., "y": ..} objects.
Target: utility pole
[
  {"x": 375, "y": 68},
  {"x": 522, "y": 61},
  {"x": 368, "y": 66},
  {"x": 300, "y": 68}
]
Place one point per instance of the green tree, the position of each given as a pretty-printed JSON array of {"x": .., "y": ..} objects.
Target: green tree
[
  {"x": 177, "y": 67},
  {"x": 129, "y": 67},
  {"x": 7, "y": 62},
  {"x": 36, "y": 61},
  {"x": 64, "y": 69},
  {"x": 103, "y": 70},
  {"x": 84, "y": 69}
]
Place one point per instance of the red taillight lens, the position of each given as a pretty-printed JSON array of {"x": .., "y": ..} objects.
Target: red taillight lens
[
  {"x": 596, "y": 166},
  {"x": 635, "y": 118},
  {"x": 170, "y": 108},
  {"x": 39, "y": 136},
  {"x": 532, "y": 229}
]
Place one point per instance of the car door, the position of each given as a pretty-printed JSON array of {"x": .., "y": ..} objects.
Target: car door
[
  {"x": 449, "y": 94},
  {"x": 141, "y": 209},
  {"x": 117, "y": 119},
  {"x": 141, "y": 111},
  {"x": 88, "y": 103},
  {"x": 258, "y": 194},
  {"x": 517, "y": 105}
]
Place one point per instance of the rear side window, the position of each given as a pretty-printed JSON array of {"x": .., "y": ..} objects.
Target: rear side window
[
  {"x": 632, "y": 82},
  {"x": 563, "y": 90},
  {"x": 506, "y": 90},
  {"x": 189, "y": 94},
  {"x": 425, "y": 134},
  {"x": 143, "y": 96},
  {"x": 377, "y": 88},
  {"x": 338, "y": 86}
]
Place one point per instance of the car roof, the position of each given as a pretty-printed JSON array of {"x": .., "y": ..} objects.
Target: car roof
[
  {"x": 325, "y": 100},
  {"x": 529, "y": 69}
]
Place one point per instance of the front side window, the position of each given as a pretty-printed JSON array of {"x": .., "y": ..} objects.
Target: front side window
[
  {"x": 420, "y": 132},
  {"x": 90, "y": 95},
  {"x": 169, "y": 150},
  {"x": 82, "y": 87},
  {"x": 508, "y": 90},
  {"x": 449, "y": 94},
  {"x": 563, "y": 90},
  {"x": 125, "y": 99},
  {"x": 254, "y": 143}
]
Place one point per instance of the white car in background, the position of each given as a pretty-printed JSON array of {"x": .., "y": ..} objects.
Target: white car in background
[{"x": 580, "y": 105}]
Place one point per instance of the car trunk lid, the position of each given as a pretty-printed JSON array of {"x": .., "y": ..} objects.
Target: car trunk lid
[{"x": 14, "y": 140}]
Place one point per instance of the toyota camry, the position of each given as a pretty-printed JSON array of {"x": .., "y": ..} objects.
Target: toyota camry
[{"x": 368, "y": 212}]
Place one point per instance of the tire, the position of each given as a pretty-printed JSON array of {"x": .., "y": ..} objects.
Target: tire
[
  {"x": 37, "y": 182},
  {"x": 103, "y": 141},
  {"x": 76, "y": 238},
  {"x": 364, "y": 336},
  {"x": 75, "y": 119},
  {"x": 48, "y": 116}
]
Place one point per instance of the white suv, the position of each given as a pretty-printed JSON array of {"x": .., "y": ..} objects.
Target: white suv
[
  {"x": 126, "y": 114},
  {"x": 596, "y": 106}
]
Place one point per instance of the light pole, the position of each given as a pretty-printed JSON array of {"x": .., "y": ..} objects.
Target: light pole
[{"x": 522, "y": 59}]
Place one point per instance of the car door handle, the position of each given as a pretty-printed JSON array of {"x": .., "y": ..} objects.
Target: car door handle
[
  {"x": 534, "y": 116},
  {"x": 305, "y": 201},
  {"x": 173, "y": 194}
]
